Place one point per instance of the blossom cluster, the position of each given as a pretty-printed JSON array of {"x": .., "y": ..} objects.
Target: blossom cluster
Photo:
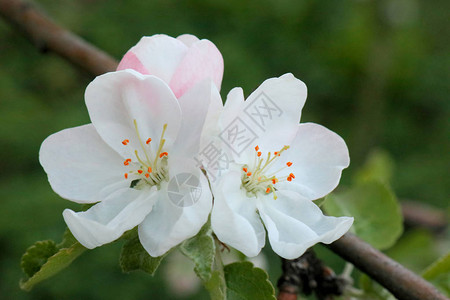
[{"x": 163, "y": 154}]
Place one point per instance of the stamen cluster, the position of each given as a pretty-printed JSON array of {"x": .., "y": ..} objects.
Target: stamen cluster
[
  {"x": 150, "y": 170},
  {"x": 255, "y": 180}
]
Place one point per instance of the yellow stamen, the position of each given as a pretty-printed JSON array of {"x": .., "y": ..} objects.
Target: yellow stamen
[
  {"x": 140, "y": 141},
  {"x": 161, "y": 143}
]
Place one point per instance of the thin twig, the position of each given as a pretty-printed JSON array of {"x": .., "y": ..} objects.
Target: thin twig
[
  {"x": 418, "y": 214},
  {"x": 47, "y": 36},
  {"x": 283, "y": 295},
  {"x": 401, "y": 282}
]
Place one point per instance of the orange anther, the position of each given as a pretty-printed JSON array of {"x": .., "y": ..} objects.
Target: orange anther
[
  {"x": 140, "y": 171},
  {"x": 249, "y": 174},
  {"x": 149, "y": 169},
  {"x": 127, "y": 161},
  {"x": 259, "y": 178},
  {"x": 147, "y": 175},
  {"x": 275, "y": 180},
  {"x": 125, "y": 142},
  {"x": 289, "y": 178},
  {"x": 148, "y": 141},
  {"x": 163, "y": 154},
  {"x": 268, "y": 190},
  {"x": 259, "y": 153},
  {"x": 244, "y": 169},
  {"x": 289, "y": 164},
  {"x": 275, "y": 153},
  {"x": 126, "y": 175},
  {"x": 256, "y": 148},
  {"x": 292, "y": 175}
]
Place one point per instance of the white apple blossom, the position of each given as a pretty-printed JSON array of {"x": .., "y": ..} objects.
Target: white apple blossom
[
  {"x": 181, "y": 62},
  {"x": 141, "y": 137},
  {"x": 277, "y": 167}
]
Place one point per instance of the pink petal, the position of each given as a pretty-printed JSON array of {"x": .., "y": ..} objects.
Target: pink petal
[
  {"x": 131, "y": 61},
  {"x": 158, "y": 55},
  {"x": 203, "y": 60}
]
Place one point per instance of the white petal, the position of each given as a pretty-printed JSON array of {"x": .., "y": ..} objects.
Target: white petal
[
  {"x": 318, "y": 155},
  {"x": 268, "y": 118},
  {"x": 194, "y": 106},
  {"x": 211, "y": 129},
  {"x": 116, "y": 99},
  {"x": 234, "y": 218},
  {"x": 233, "y": 106},
  {"x": 294, "y": 224},
  {"x": 109, "y": 219},
  {"x": 157, "y": 55},
  {"x": 80, "y": 165},
  {"x": 273, "y": 110},
  {"x": 177, "y": 214},
  {"x": 233, "y": 122},
  {"x": 188, "y": 39}
]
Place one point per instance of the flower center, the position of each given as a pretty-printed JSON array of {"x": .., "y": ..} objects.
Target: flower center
[
  {"x": 258, "y": 179},
  {"x": 149, "y": 169}
]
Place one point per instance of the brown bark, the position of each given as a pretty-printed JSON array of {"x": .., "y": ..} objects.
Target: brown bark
[
  {"x": 47, "y": 36},
  {"x": 401, "y": 282}
]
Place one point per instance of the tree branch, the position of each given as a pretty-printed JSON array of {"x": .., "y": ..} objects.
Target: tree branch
[
  {"x": 47, "y": 36},
  {"x": 401, "y": 282}
]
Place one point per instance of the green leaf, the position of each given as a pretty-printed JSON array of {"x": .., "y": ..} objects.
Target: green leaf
[
  {"x": 416, "y": 249},
  {"x": 372, "y": 290},
  {"x": 245, "y": 282},
  {"x": 134, "y": 257},
  {"x": 201, "y": 249},
  {"x": 50, "y": 265},
  {"x": 37, "y": 255},
  {"x": 378, "y": 219},
  {"x": 439, "y": 273},
  {"x": 379, "y": 166},
  {"x": 319, "y": 202},
  {"x": 68, "y": 239},
  {"x": 215, "y": 287}
]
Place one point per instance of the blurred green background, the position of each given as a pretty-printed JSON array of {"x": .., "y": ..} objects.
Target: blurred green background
[{"x": 377, "y": 72}]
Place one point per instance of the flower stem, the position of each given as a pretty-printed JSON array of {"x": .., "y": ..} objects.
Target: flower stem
[{"x": 216, "y": 285}]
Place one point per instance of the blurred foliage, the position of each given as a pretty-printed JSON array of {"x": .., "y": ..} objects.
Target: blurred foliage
[
  {"x": 439, "y": 273},
  {"x": 377, "y": 214},
  {"x": 377, "y": 74}
]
